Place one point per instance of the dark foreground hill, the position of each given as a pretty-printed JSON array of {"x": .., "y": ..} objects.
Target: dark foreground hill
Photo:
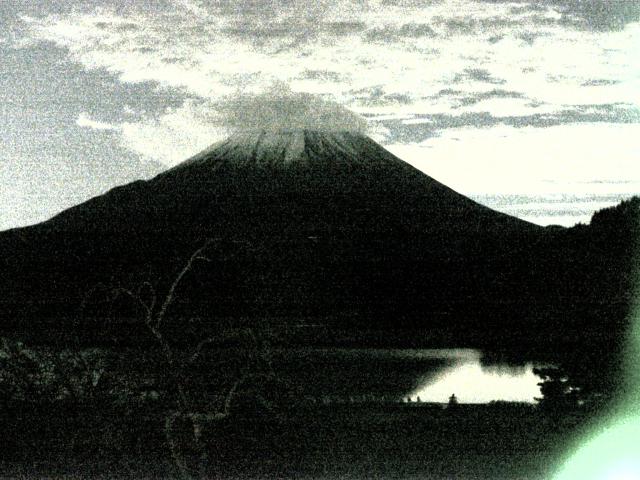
[{"x": 308, "y": 229}]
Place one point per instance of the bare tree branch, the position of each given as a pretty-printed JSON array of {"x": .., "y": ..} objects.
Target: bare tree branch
[
  {"x": 233, "y": 391},
  {"x": 197, "y": 255},
  {"x": 147, "y": 310},
  {"x": 88, "y": 295},
  {"x": 199, "y": 347},
  {"x": 173, "y": 444},
  {"x": 152, "y": 301}
]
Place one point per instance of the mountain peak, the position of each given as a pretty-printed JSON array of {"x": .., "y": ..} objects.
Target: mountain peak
[{"x": 286, "y": 148}]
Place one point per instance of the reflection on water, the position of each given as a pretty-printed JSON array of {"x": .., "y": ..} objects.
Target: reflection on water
[
  {"x": 473, "y": 383},
  {"x": 431, "y": 374}
]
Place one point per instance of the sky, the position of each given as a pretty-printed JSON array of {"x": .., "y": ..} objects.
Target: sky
[{"x": 530, "y": 107}]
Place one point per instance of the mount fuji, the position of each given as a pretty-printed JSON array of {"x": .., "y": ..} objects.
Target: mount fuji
[
  {"x": 307, "y": 180},
  {"x": 303, "y": 227}
]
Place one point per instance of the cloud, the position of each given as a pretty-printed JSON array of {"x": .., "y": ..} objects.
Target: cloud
[
  {"x": 326, "y": 75},
  {"x": 341, "y": 28},
  {"x": 377, "y": 95},
  {"x": 482, "y": 63},
  {"x": 599, "y": 14},
  {"x": 175, "y": 135},
  {"x": 507, "y": 159},
  {"x": 398, "y": 32},
  {"x": 360, "y": 44},
  {"x": 412, "y": 128},
  {"x": 279, "y": 108},
  {"x": 477, "y": 74},
  {"x": 198, "y": 123},
  {"x": 86, "y": 122},
  {"x": 469, "y": 24},
  {"x": 596, "y": 15},
  {"x": 466, "y": 99},
  {"x": 599, "y": 82}
]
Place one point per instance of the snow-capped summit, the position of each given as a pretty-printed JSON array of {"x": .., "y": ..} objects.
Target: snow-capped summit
[{"x": 293, "y": 147}]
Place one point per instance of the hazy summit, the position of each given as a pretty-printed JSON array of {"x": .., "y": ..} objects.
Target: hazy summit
[{"x": 280, "y": 109}]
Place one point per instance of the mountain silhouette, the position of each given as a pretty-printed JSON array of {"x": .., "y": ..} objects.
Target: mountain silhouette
[
  {"x": 303, "y": 228},
  {"x": 309, "y": 180}
]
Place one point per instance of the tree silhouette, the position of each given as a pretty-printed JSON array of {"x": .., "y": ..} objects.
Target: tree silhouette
[
  {"x": 180, "y": 361},
  {"x": 557, "y": 391}
]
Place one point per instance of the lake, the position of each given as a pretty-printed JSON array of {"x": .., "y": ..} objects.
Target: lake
[{"x": 433, "y": 375}]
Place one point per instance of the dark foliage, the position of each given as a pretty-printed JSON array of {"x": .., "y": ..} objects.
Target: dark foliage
[{"x": 557, "y": 392}]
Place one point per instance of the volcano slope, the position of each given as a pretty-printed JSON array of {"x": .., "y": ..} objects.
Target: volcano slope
[{"x": 311, "y": 228}]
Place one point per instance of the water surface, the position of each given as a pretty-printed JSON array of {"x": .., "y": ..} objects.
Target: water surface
[{"x": 433, "y": 375}]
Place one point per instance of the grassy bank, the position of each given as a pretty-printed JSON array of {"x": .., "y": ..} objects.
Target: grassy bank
[{"x": 500, "y": 441}]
